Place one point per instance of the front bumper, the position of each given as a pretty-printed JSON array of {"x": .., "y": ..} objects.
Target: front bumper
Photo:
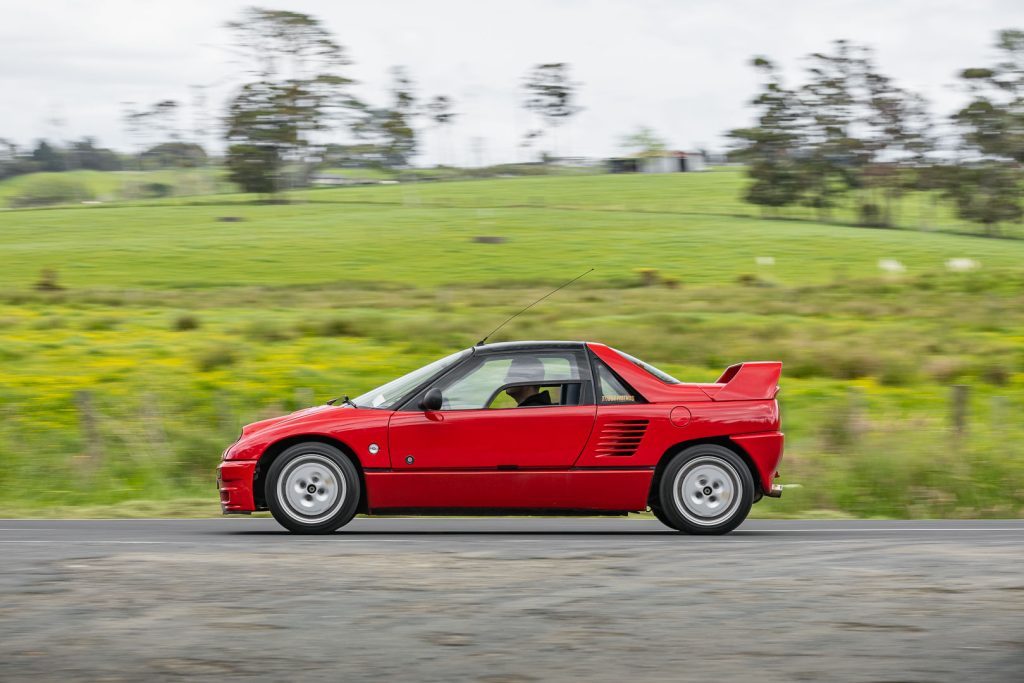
[{"x": 234, "y": 482}]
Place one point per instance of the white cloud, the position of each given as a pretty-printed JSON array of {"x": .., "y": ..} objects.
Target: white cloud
[{"x": 679, "y": 66}]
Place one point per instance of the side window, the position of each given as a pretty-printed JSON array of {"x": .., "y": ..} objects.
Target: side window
[
  {"x": 610, "y": 389},
  {"x": 474, "y": 388},
  {"x": 522, "y": 380}
]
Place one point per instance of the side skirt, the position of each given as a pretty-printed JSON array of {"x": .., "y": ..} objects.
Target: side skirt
[
  {"x": 596, "y": 490},
  {"x": 497, "y": 512}
]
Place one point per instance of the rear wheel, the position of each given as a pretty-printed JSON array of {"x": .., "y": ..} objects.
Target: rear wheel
[
  {"x": 313, "y": 488},
  {"x": 705, "y": 489}
]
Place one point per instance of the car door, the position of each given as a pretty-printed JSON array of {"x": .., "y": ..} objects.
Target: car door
[{"x": 480, "y": 426}]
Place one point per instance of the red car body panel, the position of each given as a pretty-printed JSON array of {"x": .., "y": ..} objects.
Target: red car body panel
[
  {"x": 487, "y": 439},
  {"x": 598, "y": 490},
  {"x": 601, "y": 458}
]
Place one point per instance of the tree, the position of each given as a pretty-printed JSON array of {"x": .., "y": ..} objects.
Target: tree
[
  {"x": 644, "y": 142},
  {"x": 8, "y": 158},
  {"x": 988, "y": 193},
  {"x": 896, "y": 140},
  {"x": 149, "y": 125},
  {"x": 847, "y": 128},
  {"x": 551, "y": 94},
  {"x": 296, "y": 90},
  {"x": 993, "y": 122},
  {"x": 175, "y": 155},
  {"x": 772, "y": 149},
  {"x": 87, "y": 155},
  {"x": 389, "y": 130},
  {"x": 836, "y": 156},
  {"x": 441, "y": 110},
  {"x": 48, "y": 157},
  {"x": 987, "y": 190}
]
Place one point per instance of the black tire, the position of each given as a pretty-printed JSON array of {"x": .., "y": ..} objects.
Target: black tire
[
  {"x": 718, "y": 490},
  {"x": 313, "y": 488},
  {"x": 660, "y": 514}
]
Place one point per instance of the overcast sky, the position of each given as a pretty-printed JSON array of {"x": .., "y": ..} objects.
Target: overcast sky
[{"x": 679, "y": 66}]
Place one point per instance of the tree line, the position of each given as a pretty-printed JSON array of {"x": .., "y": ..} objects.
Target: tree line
[
  {"x": 292, "y": 104},
  {"x": 297, "y": 96},
  {"x": 850, "y": 132}
]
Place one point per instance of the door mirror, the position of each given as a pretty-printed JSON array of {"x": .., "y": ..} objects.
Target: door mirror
[{"x": 432, "y": 400}]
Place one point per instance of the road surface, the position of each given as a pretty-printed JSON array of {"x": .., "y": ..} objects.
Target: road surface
[{"x": 507, "y": 600}]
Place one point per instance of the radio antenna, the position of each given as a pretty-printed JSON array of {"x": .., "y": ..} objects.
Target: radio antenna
[{"x": 510, "y": 319}]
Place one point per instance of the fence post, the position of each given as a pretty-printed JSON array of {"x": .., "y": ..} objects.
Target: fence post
[
  {"x": 998, "y": 417},
  {"x": 958, "y": 408},
  {"x": 153, "y": 424},
  {"x": 88, "y": 423},
  {"x": 856, "y": 415}
]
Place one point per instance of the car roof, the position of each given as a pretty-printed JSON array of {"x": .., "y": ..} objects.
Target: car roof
[{"x": 528, "y": 346}]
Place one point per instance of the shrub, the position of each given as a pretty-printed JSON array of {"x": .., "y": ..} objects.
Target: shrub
[
  {"x": 266, "y": 331},
  {"x": 648, "y": 276},
  {"x": 215, "y": 357},
  {"x": 156, "y": 190},
  {"x": 671, "y": 282},
  {"x": 186, "y": 322},
  {"x": 871, "y": 215},
  {"x": 335, "y": 327},
  {"x": 47, "y": 281},
  {"x": 101, "y": 324},
  {"x": 48, "y": 190}
]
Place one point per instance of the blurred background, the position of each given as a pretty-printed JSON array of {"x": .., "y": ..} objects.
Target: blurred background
[{"x": 214, "y": 213}]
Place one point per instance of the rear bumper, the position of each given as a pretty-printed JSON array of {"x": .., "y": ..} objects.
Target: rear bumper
[
  {"x": 234, "y": 482},
  {"x": 765, "y": 449}
]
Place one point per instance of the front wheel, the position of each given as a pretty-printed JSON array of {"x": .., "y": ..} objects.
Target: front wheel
[
  {"x": 705, "y": 489},
  {"x": 312, "y": 488}
]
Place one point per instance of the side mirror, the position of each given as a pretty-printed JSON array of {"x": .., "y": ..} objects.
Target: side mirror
[{"x": 432, "y": 400}]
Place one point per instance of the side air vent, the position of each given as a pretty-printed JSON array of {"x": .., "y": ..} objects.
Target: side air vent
[{"x": 621, "y": 437}]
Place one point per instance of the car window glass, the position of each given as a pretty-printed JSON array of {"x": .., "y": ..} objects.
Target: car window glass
[
  {"x": 387, "y": 395},
  {"x": 660, "y": 374},
  {"x": 473, "y": 389},
  {"x": 610, "y": 388},
  {"x": 554, "y": 391}
]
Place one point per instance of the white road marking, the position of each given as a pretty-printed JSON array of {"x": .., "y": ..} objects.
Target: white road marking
[{"x": 886, "y": 529}]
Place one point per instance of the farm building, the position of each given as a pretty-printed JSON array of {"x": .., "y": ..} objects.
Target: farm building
[{"x": 667, "y": 162}]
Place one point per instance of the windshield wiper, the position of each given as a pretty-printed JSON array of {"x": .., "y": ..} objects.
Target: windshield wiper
[{"x": 345, "y": 400}]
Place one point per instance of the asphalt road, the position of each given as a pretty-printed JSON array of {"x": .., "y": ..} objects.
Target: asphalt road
[{"x": 506, "y": 600}]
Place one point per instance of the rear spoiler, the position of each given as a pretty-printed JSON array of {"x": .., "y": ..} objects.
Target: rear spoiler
[{"x": 748, "y": 382}]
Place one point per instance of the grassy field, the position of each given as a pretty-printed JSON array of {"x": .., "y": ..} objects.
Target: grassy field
[{"x": 181, "y": 319}]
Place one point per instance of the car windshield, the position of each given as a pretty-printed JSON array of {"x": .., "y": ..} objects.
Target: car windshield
[
  {"x": 387, "y": 396},
  {"x": 663, "y": 376}
]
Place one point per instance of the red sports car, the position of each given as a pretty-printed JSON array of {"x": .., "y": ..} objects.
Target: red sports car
[{"x": 520, "y": 427}]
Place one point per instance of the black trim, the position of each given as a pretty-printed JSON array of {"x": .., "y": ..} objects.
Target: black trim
[{"x": 501, "y": 347}]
